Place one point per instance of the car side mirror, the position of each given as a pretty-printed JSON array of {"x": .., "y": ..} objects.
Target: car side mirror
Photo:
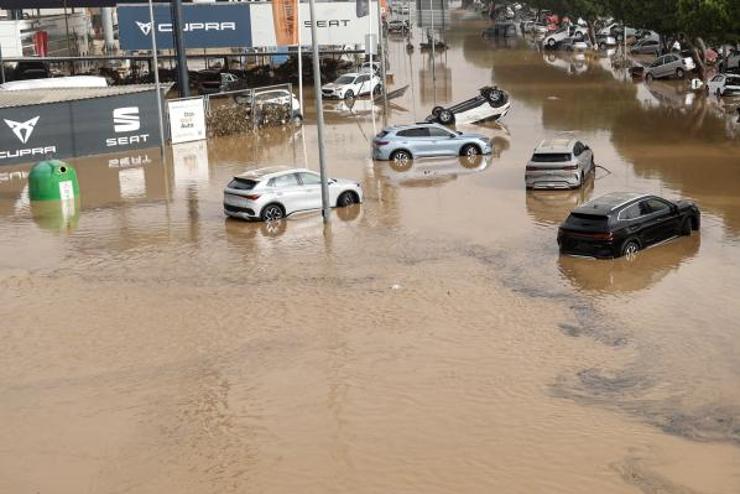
[{"x": 452, "y": 136}]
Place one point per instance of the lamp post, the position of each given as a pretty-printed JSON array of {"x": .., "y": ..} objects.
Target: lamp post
[
  {"x": 153, "y": 33},
  {"x": 319, "y": 115}
]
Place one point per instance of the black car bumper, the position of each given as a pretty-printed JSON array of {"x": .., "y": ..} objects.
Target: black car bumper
[{"x": 599, "y": 249}]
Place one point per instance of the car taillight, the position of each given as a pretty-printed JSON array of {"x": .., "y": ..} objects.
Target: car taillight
[
  {"x": 381, "y": 143},
  {"x": 253, "y": 197},
  {"x": 602, "y": 236},
  {"x": 570, "y": 167}
]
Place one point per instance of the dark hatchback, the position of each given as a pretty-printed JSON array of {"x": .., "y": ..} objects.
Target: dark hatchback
[{"x": 620, "y": 224}]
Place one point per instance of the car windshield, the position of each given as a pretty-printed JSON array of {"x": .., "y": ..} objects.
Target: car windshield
[
  {"x": 346, "y": 79},
  {"x": 550, "y": 157},
  {"x": 242, "y": 184}
]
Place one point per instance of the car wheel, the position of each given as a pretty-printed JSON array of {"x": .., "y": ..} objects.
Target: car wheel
[
  {"x": 679, "y": 73},
  {"x": 470, "y": 150},
  {"x": 649, "y": 78},
  {"x": 297, "y": 119},
  {"x": 345, "y": 199},
  {"x": 349, "y": 94},
  {"x": 719, "y": 93},
  {"x": 436, "y": 111},
  {"x": 685, "y": 227},
  {"x": 551, "y": 43},
  {"x": 630, "y": 249},
  {"x": 272, "y": 212},
  {"x": 579, "y": 36},
  {"x": 401, "y": 160},
  {"x": 602, "y": 46},
  {"x": 446, "y": 117},
  {"x": 377, "y": 89}
]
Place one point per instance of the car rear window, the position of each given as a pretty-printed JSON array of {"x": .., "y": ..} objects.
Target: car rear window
[
  {"x": 242, "y": 184},
  {"x": 584, "y": 220},
  {"x": 550, "y": 157}
]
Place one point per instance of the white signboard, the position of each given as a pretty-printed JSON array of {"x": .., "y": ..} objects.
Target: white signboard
[
  {"x": 187, "y": 120},
  {"x": 336, "y": 24}
]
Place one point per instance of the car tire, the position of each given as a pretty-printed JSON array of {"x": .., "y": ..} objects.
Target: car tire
[
  {"x": 649, "y": 78},
  {"x": 297, "y": 119},
  {"x": 630, "y": 248},
  {"x": 272, "y": 212},
  {"x": 680, "y": 73},
  {"x": 401, "y": 160},
  {"x": 436, "y": 111},
  {"x": 345, "y": 199},
  {"x": 377, "y": 89},
  {"x": 446, "y": 117},
  {"x": 551, "y": 43},
  {"x": 719, "y": 93},
  {"x": 470, "y": 150},
  {"x": 685, "y": 230},
  {"x": 602, "y": 46},
  {"x": 349, "y": 94}
]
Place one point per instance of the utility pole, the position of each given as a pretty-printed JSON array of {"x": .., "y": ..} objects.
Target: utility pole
[
  {"x": 319, "y": 115},
  {"x": 300, "y": 58},
  {"x": 381, "y": 36},
  {"x": 153, "y": 34},
  {"x": 182, "y": 60}
]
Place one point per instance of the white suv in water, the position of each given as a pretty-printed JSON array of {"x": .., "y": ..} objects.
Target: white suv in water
[
  {"x": 273, "y": 193},
  {"x": 351, "y": 85}
]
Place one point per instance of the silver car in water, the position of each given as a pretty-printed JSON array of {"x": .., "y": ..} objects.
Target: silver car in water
[
  {"x": 407, "y": 142},
  {"x": 559, "y": 163}
]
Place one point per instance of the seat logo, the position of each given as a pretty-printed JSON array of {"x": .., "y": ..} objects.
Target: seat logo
[
  {"x": 145, "y": 27},
  {"x": 22, "y": 130},
  {"x": 126, "y": 119}
]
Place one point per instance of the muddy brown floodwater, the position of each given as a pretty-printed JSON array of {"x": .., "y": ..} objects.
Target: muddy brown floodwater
[{"x": 430, "y": 341}]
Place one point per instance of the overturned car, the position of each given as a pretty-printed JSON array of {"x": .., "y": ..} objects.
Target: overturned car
[{"x": 491, "y": 104}]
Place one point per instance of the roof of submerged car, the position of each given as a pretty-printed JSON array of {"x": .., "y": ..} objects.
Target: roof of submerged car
[
  {"x": 556, "y": 145},
  {"x": 268, "y": 171},
  {"x": 608, "y": 203}
]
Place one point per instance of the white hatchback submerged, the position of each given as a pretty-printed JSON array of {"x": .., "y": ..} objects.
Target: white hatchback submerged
[{"x": 272, "y": 193}]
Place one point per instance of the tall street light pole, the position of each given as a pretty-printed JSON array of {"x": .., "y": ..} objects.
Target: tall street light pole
[
  {"x": 153, "y": 34},
  {"x": 319, "y": 115}
]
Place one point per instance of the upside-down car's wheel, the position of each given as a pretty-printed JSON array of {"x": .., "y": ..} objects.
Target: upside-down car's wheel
[
  {"x": 446, "y": 117},
  {"x": 436, "y": 111}
]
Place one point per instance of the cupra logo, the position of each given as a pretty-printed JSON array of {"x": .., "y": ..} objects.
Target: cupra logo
[
  {"x": 146, "y": 27},
  {"x": 22, "y": 130}
]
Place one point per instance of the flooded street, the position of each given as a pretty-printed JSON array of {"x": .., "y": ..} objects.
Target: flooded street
[{"x": 431, "y": 340}]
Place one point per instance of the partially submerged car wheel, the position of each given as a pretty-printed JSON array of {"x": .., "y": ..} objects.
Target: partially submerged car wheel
[
  {"x": 436, "y": 111},
  {"x": 649, "y": 78},
  {"x": 377, "y": 89},
  {"x": 401, "y": 160},
  {"x": 470, "y": 150},
  {"x": 679, "y": 73},
  {"x": 630, "y": 249},
  {"x": 346, "y": 199},
  {"x": 272, "y": 212},
  {"x": 349, "y": 94},
  {"x": 446, "y": 117},
  {"x": 551, "y": 43}
]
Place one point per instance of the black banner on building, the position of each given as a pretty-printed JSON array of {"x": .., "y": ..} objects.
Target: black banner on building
[{"x": 79, "y": 128}]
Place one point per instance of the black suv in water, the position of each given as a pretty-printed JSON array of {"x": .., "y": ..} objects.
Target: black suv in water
[{"x": 620, "y": 224}]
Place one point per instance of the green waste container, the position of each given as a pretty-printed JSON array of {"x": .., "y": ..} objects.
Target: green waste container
[{"x": 53, "y": 180}]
